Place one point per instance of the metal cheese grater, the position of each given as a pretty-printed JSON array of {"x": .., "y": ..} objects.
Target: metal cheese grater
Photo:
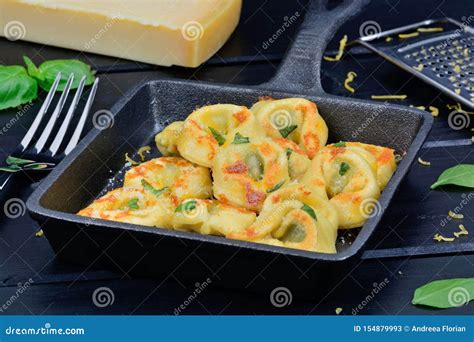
[{"x": 443, "y": 59}]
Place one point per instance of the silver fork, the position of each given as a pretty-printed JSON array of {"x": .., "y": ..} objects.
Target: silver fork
[{"x": 27, "y": 158}]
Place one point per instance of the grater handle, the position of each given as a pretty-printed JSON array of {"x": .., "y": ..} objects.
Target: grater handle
[{"x": 299, "y": 71}]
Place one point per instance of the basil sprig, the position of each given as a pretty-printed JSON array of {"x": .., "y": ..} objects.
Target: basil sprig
[
  {"x": 46, "y": 73},
  {"x": 16, "y": 86},
  {"x": 462, "y": 175},
  {"x": 446, "y": 293}
]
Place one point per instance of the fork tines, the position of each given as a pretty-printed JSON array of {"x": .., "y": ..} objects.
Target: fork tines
[{"x": 58, "y": 139}]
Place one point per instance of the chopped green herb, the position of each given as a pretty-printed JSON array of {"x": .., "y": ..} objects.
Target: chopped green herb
[
  {"x": 219, "y": 137},
  {"x": 39, "y": 233},
  {"x": 133, "y": 204},
  {"x": 285, "y": 132},
  {"x": 186, "y": 206},
  {"x": 148, "y": 187},
  {"x": 340, "y": 144},
  {"x": 309, "y": 211},
  {"x": 240, "y": 139},
  {"x": 344, "y": 168},
  {"x": 289, "y": 151},
  {"x": 276, "y": 187},
  {"x": 11, "y": 168}
]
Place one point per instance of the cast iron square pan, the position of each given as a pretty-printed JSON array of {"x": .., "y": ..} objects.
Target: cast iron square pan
[{"x": 97, "y": 164}]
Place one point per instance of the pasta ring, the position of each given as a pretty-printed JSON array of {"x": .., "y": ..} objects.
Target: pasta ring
[
  {"x": 209, "y": 127},
  {"x": 167, "y": 139},
  {"x": 182, "y": 178},
  {"x": 298, "y": 161},
  {"x": 385, "y": 160},
  {"x": 349, "y": 180},
  {"x": 211, "y": 217},
  {"x": 245, "y": 173},
  {"x": 136, "y": 206},
  {"x": 295, "y": 217},
  {"x": 296, "y": 119}
]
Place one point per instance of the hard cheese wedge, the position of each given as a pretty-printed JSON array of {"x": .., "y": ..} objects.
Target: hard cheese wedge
[{"x": 163, "y": 32}]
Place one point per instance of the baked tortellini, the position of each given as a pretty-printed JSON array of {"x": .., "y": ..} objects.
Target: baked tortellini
[
  {"x": 295, "y": 217},
  {"x": 295, "y": 119},
  {"x": 137, "y": 206},
  {"x": 348, "y": 175},
  {"x": 211, "y": 217},
  {"x": 179, "y": 177},
  {"x": 245, "y": 173},
  {"x": 209, "y": 127},
  {"x": 263, "y": 175}
]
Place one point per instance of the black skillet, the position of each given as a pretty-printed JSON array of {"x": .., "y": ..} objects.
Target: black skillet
[{"x": 146, "y": 110}]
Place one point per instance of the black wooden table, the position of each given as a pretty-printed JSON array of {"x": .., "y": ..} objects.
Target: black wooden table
[{"x": 402, "y": 253}]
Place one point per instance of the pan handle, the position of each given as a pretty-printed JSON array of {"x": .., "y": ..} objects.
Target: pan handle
[{"x": 299, "y": 71}]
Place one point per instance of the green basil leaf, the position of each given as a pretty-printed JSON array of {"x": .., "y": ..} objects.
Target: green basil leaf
[
  {"x": 462, "y": 175},
  {"x": 11, "y": 168},
  {"x": 340, "y": 144},
  {"x": 148, "y": 187},
  {"x": 309, "y": 210},
  {"x": 46, "y": 73},
  {"x": 16, "y": 87},
  {"x": 344, "y": 168},
  {"x": 285, "y": 132},
  {"x": 18, "y": 161},
  {"x": 447, "y": 293},
  {"x": 240, "y": 139},
  {"x": 219, "y": 137},
  {"x": 133, "y": 204},
  {"x": 186, "y": 206},
  {"x": 289, "y": 151},
  {"x": 276, "y": 187}
]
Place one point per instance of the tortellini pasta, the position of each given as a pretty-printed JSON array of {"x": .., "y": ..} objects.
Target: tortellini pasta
[
  {"x": 181, "y": 178},
  {"x": 211, "y": 217},
  {"x": 263, "y": 175},
  {"x": 295, "y": 119},
  {"x": 137, "y": 206},
  {"x": 209, "y": 127},
  {"x": 245, "y": 173},
  {"x": 349, "y": 177},
  {"x": 167, "y": 139},
  {"x": 295, "y": 217}
]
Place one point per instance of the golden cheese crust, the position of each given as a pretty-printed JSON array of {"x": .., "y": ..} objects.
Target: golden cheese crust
[
  {"x": 296, "y": 119},
  {"x": 182, "y": 178},
  {"x": 245, "y": 173}
]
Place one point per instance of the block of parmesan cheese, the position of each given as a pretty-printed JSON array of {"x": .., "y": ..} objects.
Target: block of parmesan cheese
[{"x": 162, "y": 32}]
